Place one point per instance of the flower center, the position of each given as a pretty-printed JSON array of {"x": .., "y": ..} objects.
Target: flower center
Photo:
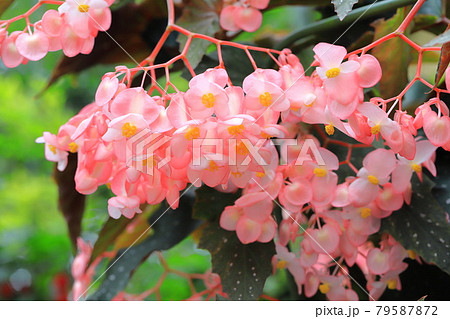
[
  {"x": 324, "y": 288},
  {"x": 365, "y": 212},
  {"x": 320, "y": 172},
  {"x": 373, "y": 180},
  {"x": 392, "y": 284},
  {"x": 208, "y": 100},
  {"x": 213, "y": 166},
  {"x": 73, "y": 147},
  {"x": 236, "y": 129},
  {"x": 236, "y": 174},
  {"x": 332, "y": 73},
  {"x": 281, "y": 264},
  {"x": 192, "y": 133},
  {"x": 83, "y": 8},
  {"x": 416, "y": 168},
  {"x": 329, "y": 129},
  {"x": 128, "y": 130},
  {"x": 241, "y": 148},
  {"x": 52, "y": 148},
  {"x": 375, "y": 129},
  {"x": 265, "y": 99},
  {"x": 309, "y": 99},
  {"x": 411, "y": 254},
  {"x": 260, "y": 174}
]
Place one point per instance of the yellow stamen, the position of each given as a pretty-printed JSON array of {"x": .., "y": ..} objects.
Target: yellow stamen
[
  {"x": 411, "y": 254},
  {"x": 365, "y": 212},
  {"x": 373, "y": 180},
  {"x": 265, "y": 135},
  {"x": 324, "y": 288},
  {"x": 320, "y": 172},
  {"x": 149, "y": 161},
  {"x": 332, "y": 73},
  {"x": 416, "y": 167},
  {"x": 73, "y": 147},
  {"x": 260, "y": 174},
  {"x": 236, "y": 174},
  {"x": 241, "y": 148},
  {"x": 236, "y": 129},
  {"x": 83, "y": 8},
  {"x": 192, "y": 133},
  {"x": 213, "y": 166},
  {"x": 329, "y": 129},
  {"x": 265, "y": 99},
  {"x": 392, "y": 284},
  {"x": 108, "y": 185},
  {"x": 281, "y": 264},
  {"x": 375, "y": 129},
  {"x": 128, "y": 130},
  {"x": 208, "y": 100},
  {"x": 52, "y": 148}
]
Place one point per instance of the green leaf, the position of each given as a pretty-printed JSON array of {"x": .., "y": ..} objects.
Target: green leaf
[
  {"x": 209, "y": 203},
  {"x": 394, "y": 55},
  {"x": 71, "y": 203},
  {"x": 343, "y": 7},
  {"x": 4, "y": 4},
  {"x": 243, "y": 269},
  {"x": 170, "y": 227},
  {"x": 200, "y": 16},
  {"x": 440, "y": 39},
  {"x": 422, "y": 226},
  {"x": 236, "y": 63},
  {"x": 108, "y": 234}
]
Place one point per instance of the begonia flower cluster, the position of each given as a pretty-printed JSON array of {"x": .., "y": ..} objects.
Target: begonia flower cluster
[
  {"x": 72, "y": 28},
  {"x": 224, "y": 136}
]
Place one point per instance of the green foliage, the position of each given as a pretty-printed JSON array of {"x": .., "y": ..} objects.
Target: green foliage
[
  {"x": 243, "y": 269},
  {"x": 394, "y": 56},
  {"x": 422, "y": 226},
  {"x": 170, "y": 227},
  {"x": 201, "y": 16}
]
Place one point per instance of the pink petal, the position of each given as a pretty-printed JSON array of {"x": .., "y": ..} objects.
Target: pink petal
[
  {"x": 424, "y": 151},
  {"x": 259, "y": 4},
  {"x": 437, "y": 129},
  {"x": 349, "y": 66},
  {"x": 106, "y": 90},
  {"x": 268, "y": 230},
  {"x": 9, "y": 53},
  {"x": 389, "y": 199},
  {"x": 52, "y": 23},
  {"x": 227, "y": 16},
  {"x": 362, "y": 192},
  {"x": 329, "y": 55},
  {"x": 136, "y": 100},
  {"x": 380, "y": 162},
  {"x": 247, "y": 19},
  {"x": 401, "y": 176},
  {"x": 33, "y": 47},
  {"x": 247, "y": 230},
  {"x": 324, "y": 240},
  {"x": 230, "y": 217},
  {"x": 369, "y": 72},
  {"x": 378, "y": 261},
  {"x": 257, "y": 206}
]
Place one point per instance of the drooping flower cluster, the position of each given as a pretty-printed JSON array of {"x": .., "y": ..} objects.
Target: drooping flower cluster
[
  {"x": 72, "y": 28},
  {"x": 149, "y": 148},
  {"x": 242, "y": 14}
]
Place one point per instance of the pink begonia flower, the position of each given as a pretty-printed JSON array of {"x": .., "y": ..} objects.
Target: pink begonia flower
[
  {"x": 251, "y": 218},
  {"x": 206, "y": 97},
  {"x": 294, "y": 195},
  {"x": 437, "y": 129},
  {"x": 52, "y": 22},
  {"x": 137, "y": 101},
  {"x": 9, "y": 52},
  {"x": 122, "y": 205},
  {"x": 106, "y": 90},
  {"x": 324, "y": 180},
  {"x": 284, "y": 259},
  {"x": 243, "y": 15},
  {"x": 53, "y": 150},
  {"x": 361, "y": 220},
  {"x": 369, "y": 71},
  {"x": 79, "y": 14},
  {"x": 261, "y": 95},
  {"x": 333, "y": 288},
  {"x": 340, "y": 79},
  {"x": 324, "y": 240},
  {"x": 401, "y": 175},
  {"x": 379, "y": 122},
  {"x": 33, "y": 46},
  {"x": 124, "y": 127},
  {"x": 377, "y": 166},
  {"x": 389, "y": 199}
]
